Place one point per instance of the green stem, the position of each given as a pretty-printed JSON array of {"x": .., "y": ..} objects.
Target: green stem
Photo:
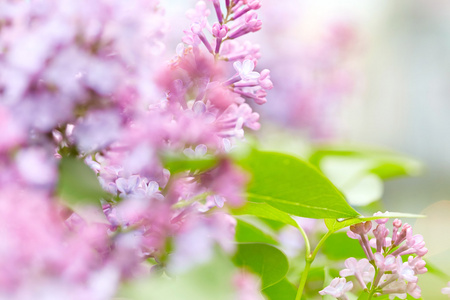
[
  {"x": 320, "y": 244},
  {"x": 309, "y": 259},
  {"x": 307, "y": 244},
  {"x": 305, "y": 272}
]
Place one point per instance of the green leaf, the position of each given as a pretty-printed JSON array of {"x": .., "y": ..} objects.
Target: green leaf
[
  {"x": 364, "y": 296},
  {"x": 336, "y": 224},
  {"x": 293, "y": 186},
  {"x": 409, "y": 297},
  {"x": 78, "y": 184},
  {"x": 212, "y": 280},
  {"x": 282, "y": 290},
  {"x": 179, "y": 163},
  {"x": 352, "y": 177},
  {"x": 385, "y": 164},
  {"x": 265, "y": 260},
  {"x": 432, "y": 269},
  {"x": 248, "y": 233},
  {"x": 339, "y": 246},
  {"x": 263, "y": 210}
]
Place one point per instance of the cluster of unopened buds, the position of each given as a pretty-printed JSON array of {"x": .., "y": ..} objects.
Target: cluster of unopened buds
[{"x": 393, "y": 268}]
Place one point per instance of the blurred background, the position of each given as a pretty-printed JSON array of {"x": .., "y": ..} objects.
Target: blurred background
[{"x": 372, "y": 73}]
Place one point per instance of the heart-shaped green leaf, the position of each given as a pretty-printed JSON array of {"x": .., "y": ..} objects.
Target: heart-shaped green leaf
[
  {"x": 293, "y": 186},
  {"x": 282, "y": 290},
  {"x": 265, "y": 260}
]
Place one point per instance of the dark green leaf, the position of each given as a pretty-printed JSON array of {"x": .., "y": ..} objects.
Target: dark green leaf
[
  {"x": 247, "y": 233},
  {"x": 265, "y": 260},
  {"x": 282, "y": 290},
  {"x": 293, "y": 186},
  {"x": 339, "y": 246},
  {"x": 78, "y": 184}
]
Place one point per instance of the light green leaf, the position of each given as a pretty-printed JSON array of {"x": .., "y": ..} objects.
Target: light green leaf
[
  {"x": 409, "y": 297},
  {"x": 385, "y": 164},
  {"x": 265, "y": 260},
  {"x": 282, "y": 290},
  {"x": 336, "y": 224},
  {"x": 433, "y": 269},
  {"x": 263, "y": 210},
  {"x": 293, "y": 186},
  {"x": 210, "y": 281},
  {"x": 364, "y": 296},
  {"x": 179, "y": 163},
  {"x": 78, "y": 184},
  {"x": 351, "y": 176}
]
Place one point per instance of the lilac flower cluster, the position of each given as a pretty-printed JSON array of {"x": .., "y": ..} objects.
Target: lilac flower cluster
[
  {"x": 85, "y": 79},
  {"x": 392, "y": 269},
  {"x": 239, "y": 19}
]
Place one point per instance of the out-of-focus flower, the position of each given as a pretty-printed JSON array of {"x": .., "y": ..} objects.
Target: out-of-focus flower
[
  {"x": 446, "y": 290},
  {"x": 247, "y": 286}
]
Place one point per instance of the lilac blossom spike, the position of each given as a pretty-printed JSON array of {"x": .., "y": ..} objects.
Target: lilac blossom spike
[{"x": 394, "y": 277}]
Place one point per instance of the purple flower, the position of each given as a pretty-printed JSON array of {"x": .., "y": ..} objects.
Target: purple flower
[
  {"x": 245, "y": 69},
  {"x": 362, "y": 270},
  {"x": 337, "y": 288},
  {"x": 405, "y": 271}
]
